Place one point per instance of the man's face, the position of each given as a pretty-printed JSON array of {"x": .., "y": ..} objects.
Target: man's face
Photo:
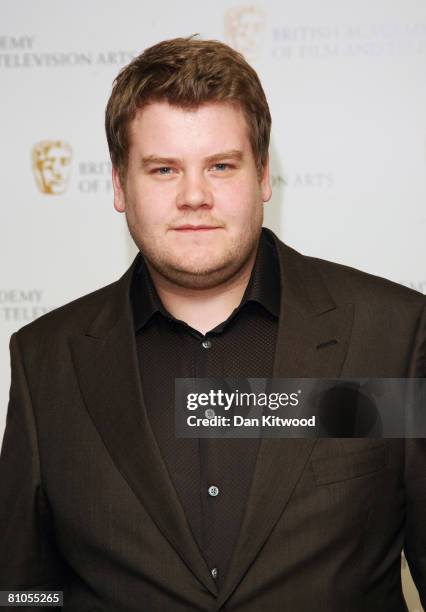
[{"x": 192, "y": 195}]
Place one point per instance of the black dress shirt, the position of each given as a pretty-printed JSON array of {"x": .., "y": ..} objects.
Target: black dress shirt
[{"x": 212, "y": 476}]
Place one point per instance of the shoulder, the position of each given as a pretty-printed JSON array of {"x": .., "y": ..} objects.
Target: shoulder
[
  {"x": 346, "y": 282},
  {"x": 103, "y": 306},
  {"x": 379, "y": 304},
  {"x": 71, "y": 318},
  {"x": 383, "y": 308}
]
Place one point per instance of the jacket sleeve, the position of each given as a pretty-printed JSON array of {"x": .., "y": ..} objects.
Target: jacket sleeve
[
  {"x": 415, "y": 479},
  {"x": 28, "y": 557}
]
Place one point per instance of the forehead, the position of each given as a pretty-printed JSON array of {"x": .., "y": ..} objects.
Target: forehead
[{"x": 211, "y": 125}]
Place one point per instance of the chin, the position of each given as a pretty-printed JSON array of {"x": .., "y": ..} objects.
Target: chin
[
  {"x": 190, "y": 280},
  {"x": 198, "y": 259},
  {"x": 200, "y": 275},
  {"x": 197, "y": 270}
]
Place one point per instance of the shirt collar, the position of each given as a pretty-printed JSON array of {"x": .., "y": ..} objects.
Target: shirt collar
[{"x": 263, "y": 286}]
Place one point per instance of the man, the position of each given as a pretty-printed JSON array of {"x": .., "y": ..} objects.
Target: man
[{"x": 99, "y": 498}]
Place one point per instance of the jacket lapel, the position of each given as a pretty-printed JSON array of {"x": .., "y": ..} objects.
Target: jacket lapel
[
  {"x": 312, "y": 341},
  {"x": 106, "y": 364}
]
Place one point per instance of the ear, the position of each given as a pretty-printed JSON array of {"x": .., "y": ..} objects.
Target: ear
[
  {"x": 265, "y": 183},
  {"x": 119, "y": 198}
]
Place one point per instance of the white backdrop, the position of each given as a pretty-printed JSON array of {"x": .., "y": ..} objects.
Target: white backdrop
[{"x": 346, "y": 82}]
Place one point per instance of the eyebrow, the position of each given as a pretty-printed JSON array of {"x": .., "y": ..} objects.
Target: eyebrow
[{"x": 157, "y": 159}]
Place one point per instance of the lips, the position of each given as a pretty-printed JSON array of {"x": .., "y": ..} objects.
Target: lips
[{"x": 195, "y": 228}]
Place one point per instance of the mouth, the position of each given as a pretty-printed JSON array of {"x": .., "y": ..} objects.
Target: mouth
[{"x": 195, "y": 228}]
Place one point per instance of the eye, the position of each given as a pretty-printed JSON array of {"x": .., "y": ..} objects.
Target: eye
[
  {"x": 163, "y": 171},
  {"x": 222, "y": 166}
]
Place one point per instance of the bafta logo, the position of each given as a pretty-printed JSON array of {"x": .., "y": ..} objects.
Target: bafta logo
[
  {"x": 244, "y": 27},
  {"x": 51, "y": 161}
]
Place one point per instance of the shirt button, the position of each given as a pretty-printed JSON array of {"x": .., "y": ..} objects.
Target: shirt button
[
  {"x": 206, "y": 344},
  {"x": 213, "y": 491},
  {"x": 209, "y": 413},
  {"x": 214, "y": 572}
]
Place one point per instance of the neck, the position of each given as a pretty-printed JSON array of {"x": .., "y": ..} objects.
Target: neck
[{"x": 203, "y": 309}]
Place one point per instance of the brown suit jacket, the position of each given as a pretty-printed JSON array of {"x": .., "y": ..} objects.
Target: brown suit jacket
[{"x": 87, "y": 505}]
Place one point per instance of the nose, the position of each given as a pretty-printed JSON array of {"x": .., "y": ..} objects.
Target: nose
[{"x": 194, "y": 191}]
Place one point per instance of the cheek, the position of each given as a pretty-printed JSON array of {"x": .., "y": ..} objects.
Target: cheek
[
  {"x": 239, "y": 199},
  {"x": 147, "y": 205}
]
